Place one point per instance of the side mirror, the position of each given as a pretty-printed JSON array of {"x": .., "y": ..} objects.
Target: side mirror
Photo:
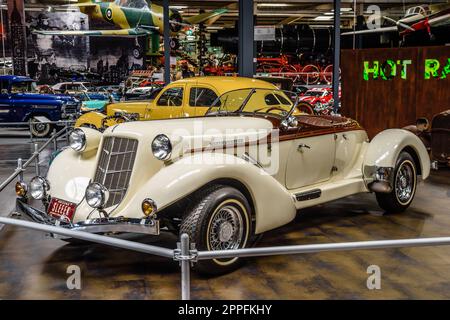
[{"x": 422, "y": 124}]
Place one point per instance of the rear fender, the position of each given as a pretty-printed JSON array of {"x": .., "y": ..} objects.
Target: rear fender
[{"x": 385, "y": 147}]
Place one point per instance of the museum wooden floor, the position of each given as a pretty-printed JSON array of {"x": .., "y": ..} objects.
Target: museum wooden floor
[{"x": 33, "y": 267}]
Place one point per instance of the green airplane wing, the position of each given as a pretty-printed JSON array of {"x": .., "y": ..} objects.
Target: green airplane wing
[{"x": 132, "y": 32}]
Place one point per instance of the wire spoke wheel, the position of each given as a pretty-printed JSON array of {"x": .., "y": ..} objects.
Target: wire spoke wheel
[
  {"x": 311, "y": 74},
  {"x": 226, "y": 229},
  {"x": 404, "y": 182},
  {"x": 219, "y": 219}
]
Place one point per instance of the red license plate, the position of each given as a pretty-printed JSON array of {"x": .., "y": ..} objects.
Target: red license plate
[{"x": 61, "y": 209}]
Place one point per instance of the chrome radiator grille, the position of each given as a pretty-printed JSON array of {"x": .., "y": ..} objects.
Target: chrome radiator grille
[
  {"x": 71, "y": 108},
  {"x": 115, "y": 166}
]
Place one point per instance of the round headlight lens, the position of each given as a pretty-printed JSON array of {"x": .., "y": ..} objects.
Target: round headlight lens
[
  {"x": 77, "y": 140},
  {"x": 162, "y": 147},
  {"x": 96, "y": 195},
  {"x": 38, "y": 188}
]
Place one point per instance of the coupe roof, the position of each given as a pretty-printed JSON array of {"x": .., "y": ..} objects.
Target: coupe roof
[{"x": 225, "y": 84}]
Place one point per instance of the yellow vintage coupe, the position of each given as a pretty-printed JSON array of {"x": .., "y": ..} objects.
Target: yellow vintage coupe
[{"x": 182, "y": 98}]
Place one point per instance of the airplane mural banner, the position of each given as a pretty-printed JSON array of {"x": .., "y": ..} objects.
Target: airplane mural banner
[{"x": 133, "y": 20}]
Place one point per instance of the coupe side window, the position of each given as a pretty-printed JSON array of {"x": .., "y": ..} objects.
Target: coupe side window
[
  {"x": 73, "y": 87},
  {"x": 201, "y": 97},
  {"x": 172, "y": 97},
  {"x": 283, "y": 100},
  {"x": 271, "y": 100}
]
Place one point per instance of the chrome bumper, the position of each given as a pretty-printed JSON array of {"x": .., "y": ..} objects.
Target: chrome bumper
[{"x": 97, "y": 225}]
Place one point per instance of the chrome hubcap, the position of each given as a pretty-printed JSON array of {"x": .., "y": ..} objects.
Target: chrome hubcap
[
  {"x": 39, "y": 126},
  {"x": 225, "y": 232},
  {"x": 404, "y": 182},
  {"x": 226, "y": 229}
]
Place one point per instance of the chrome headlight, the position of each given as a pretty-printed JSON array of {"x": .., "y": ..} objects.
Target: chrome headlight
[
  {"x": 96, "y": 195},
  {"x": 77, "y": 140},
  {"x": 162, "y": 147},
  {"x": 39, "y": 188}
]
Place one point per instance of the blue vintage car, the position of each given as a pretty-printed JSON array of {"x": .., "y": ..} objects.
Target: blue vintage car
[{"x": 20, "y": 102}]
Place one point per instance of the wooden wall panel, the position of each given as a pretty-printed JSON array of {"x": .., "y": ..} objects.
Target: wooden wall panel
[{"x": 381, "y": 104}]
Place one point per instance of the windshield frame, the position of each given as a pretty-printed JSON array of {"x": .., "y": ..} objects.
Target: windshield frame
[{"x": 248, "y": 97}]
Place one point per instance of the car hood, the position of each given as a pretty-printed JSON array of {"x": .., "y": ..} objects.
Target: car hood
[
  {"x": 205, "y": 131},
  {"x": 195, "y": 134},
  {"x": 45, "y": 96},
  {"x": 123, "y": 107},
  {"x": 310, "y": 99},
  {"x": 204, "y": 128},
  {"x": 94, "y": 104}
]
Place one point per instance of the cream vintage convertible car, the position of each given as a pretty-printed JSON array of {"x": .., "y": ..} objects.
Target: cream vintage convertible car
[{"x": 245, "y": 168}]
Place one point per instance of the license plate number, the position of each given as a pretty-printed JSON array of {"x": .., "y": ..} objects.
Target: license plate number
[{"x": 61, "y": 209}]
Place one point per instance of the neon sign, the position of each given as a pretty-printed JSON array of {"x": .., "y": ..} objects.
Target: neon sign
[{"x": 391, "y": 69}]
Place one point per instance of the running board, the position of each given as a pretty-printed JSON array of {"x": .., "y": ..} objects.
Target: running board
[
  {"x": 324, "y": 192},
  {"x": 308, "y": 195}
]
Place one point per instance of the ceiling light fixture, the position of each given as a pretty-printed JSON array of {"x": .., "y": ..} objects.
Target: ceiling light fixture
[
  {"x": 323, "y": 18},
  {"x": 267, "y": 14},
  {"x": 273, "y": 5},
  {"x": 344, "y": 10}
]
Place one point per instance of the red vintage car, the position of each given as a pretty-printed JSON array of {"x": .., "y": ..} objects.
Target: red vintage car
[{"x": 320, "y": 100}]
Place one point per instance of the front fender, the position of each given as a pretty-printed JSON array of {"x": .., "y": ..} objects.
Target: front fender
[
  {"x": 274, "y": 206},
  {"x": 69, "y": 174},
  {"x": 90, "y": 119},
  {"x": 386, "y": 146}
]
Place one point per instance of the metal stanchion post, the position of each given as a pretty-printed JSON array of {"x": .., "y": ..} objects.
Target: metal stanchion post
[
  {"x": 185, "y": 267},
  {"x": 20, "y": 168},
  {"x": 67, "y": 133},
  {"x": 55, "y": 143},
  {"x": 36, "y": 152},
  {"x": 31, "y": 133}
]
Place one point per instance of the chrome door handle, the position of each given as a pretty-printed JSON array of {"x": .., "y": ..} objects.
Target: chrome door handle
[{"x": 303, "y": 146}]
